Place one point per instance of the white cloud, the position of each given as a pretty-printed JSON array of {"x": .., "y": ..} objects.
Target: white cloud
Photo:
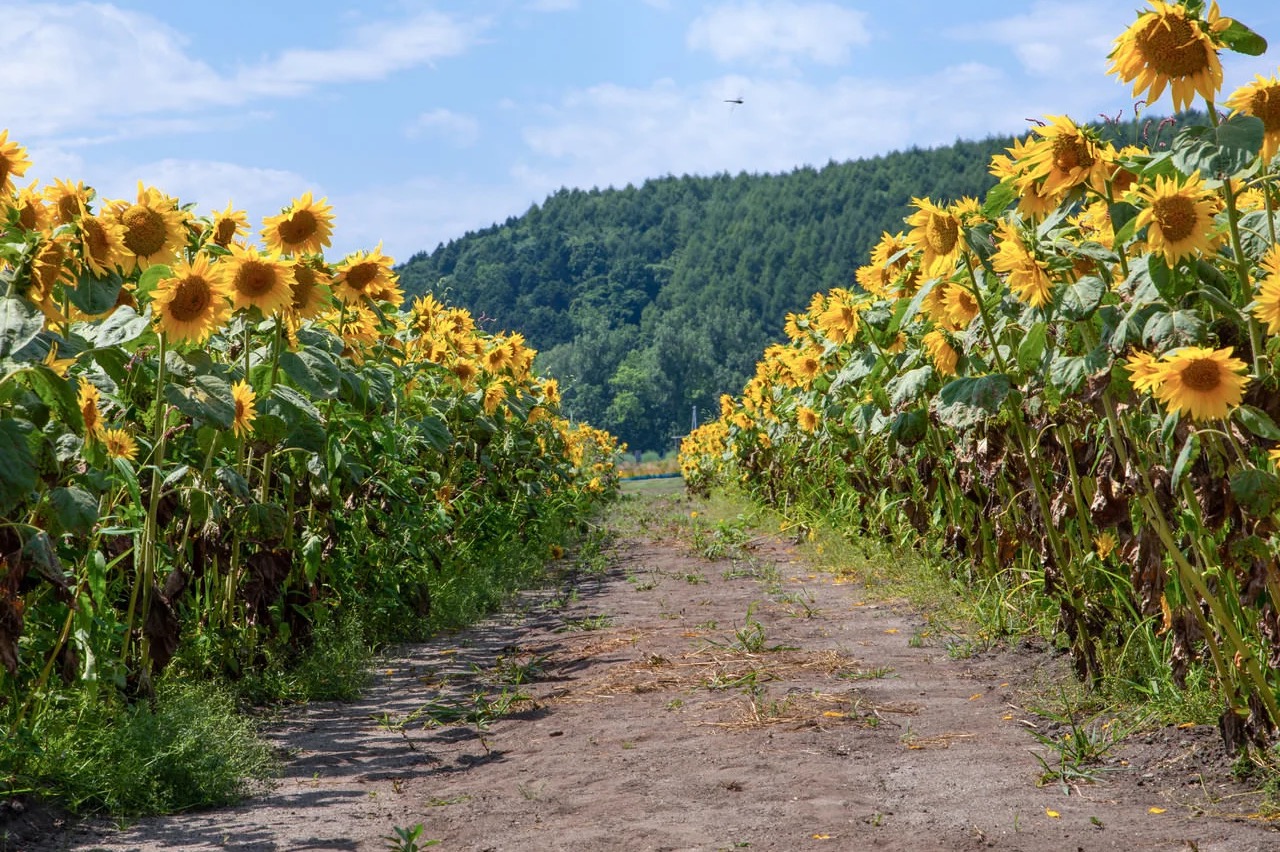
[
  {"x": 457, "y": 128},
  {"x": 1064, "y": 42},
  {"x": 552, "y": 5},
  {"x": 778, "y": 31}
]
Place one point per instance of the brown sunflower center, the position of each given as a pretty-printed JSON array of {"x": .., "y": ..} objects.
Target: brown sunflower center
[
  {"x": 27, "y": 217},
  {"x": 1177, "y": 217},
  {"x": 1070, "y": 153},
  {"x": 255, "y": 279},
  {"x": 304, "y": 284},
  {"x": 1202, "y": 375},
  {"x": 240, "y": 410},
  {"x": 68, "y": 208},
  {"x": 1265, "y": 104},
  {"x": 360, "y": 276},
  {"x": 144, "y": 230},
  {"x": 225, "y": 231},
  {"x": 299, "y": 227},
  {"x": 191, "y": 300},
  {"x": 96, "y": 243},
  {"x": 1173, "y": 47},
  {"x": 942, "y": 233}
]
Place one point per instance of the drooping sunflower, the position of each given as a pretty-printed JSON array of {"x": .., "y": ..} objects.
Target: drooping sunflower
[
  {"x": 13, "y": 162},
  {"x": 936, "y": 235},
  {"x": 154, "y": 227},
  {"x": 1203, "y": 382},
  {"x": 1027, "y": 275},
  {"x": 1167, "y": 47},
  {"x": 89, "y": 401},
  {"x": 304, "y": 227},
  {"x": 244, "y": 398},
  {"x": 311, "y": 293},
  {"x": 1261, "y": 99},
  {"x": 1178, "y": 215},
  {"x": 959, "y": 305},
  {"x": 494, "y": 394},
  {"x": 119, "y": 444},
  {"x": 840, "y": 320},
  {"x": 194, "y": 303},
  {"x": 33, "y": 213},
  {"x": 1266, "y": 304},
  {"x": 226, "y": 225},
  {"x": 69, "y": 200},
  {"x": 365, "y": 273},
  {"x": 1065, "y": 156},
  {"x": 262, "y": 281},
  {"x": 1104, "y": 543},
  {"x": 102, "y": 247},
  {"x": 940, "y": 351}
]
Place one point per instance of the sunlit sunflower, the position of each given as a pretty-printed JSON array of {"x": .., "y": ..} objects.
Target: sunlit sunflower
[
  {"x": 262, "y": 281},
  {"x": 13, "y": 162},
  {"x": 1203, "y": 382},
  {"x": 69, "y": 200},
  {"x": 805, "y": 365},
  {"x": 1261, "y": 99},
  {"x": 497, "y": 358},
  {"x": 1266, "y": 304},
  {"x": 304, "y": 227},
  {"x": 1178, "y": 215},
  {"x": 119, "y": 444},
  {"x": 154, "y": 227},
  {"x": 796, "y": 326},
  {"x": 311, "y": 293},
  {"x": 244, "y": 398},
  {"x": 194, "y": 303},
  {"x": 888, "y": 274},
  {"x": 839, "y": 322},
  {"x": 1144, "y": 371},
  {"x": 494, "y": 394},
  {"x": 365, "y": 274},
  {"x": 89, "y": 401},
  {"x": 226, "y": 225},
  {"x": 1027, "y": 275},
  {"x": 102, "y": 245},
  {"x": 33, "y": 213},
  {"x": 959, "y": 306},
  {"x": 466, "y": 370},
  {"x": 941, "y": 352},
  {"x": 54, "y": 264},
  {"x": 936, "y": 234},
  {"x": 1065, "y": 156},
  {"x": 551, "y": 391},
  {"x": 1168, "y": 47},
  {"x": 807, "y": 418}
]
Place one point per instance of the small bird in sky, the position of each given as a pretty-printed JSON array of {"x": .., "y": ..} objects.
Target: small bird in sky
[{"x": 733, "y": 100}]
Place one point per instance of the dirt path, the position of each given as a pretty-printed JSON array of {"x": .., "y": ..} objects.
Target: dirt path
[{"x": 671, "y": 702}]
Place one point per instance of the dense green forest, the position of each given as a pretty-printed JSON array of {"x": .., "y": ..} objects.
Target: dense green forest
[{"x": 647, "y": 301}]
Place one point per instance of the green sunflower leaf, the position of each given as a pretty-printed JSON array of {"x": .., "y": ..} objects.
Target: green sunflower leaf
[
  {"x": 95, "y": 295},
  {"x": 908, "y": 387},
  {"x": 1258, "y": 422},
  {"x": 208, "y": 398},
  {"x": 74, "y": 509},
  {"x": 20, "y": 323},
  {"x": 1079, "y": 299},
  {"x": 1256, "y": 490},
  {"x": 1219, "y": 152},
  {"x": 17, "y": 465},
  {"x": 967, "y": 401},
  {"x": 1241, "y": 39}
]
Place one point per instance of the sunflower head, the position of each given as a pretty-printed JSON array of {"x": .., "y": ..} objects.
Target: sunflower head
[
  {"x": 311, "y": 293},
  {"x": 88, "y": 400},
  {"x": 304, "y": 227},
  {"x": 1202, "y": 382},
  {"x": 13, "y": 162},
  {"x": 262, "y": 281},
  {"x": 936, "y": 234},
  {"x": 194, "y": 303},
  {"x": 244, "y": 399},
  {"x": 1179, "y": 217},
  {"x": 1266, "y": 302},
  {"x": 1261, "y": 99},
  {"x": 226, "y": 225},
  {"x": 1168, "y": 47},
  {"x": 943, "y": 355},
  {"x": 102, "y": 245},
  {"x": 155, "y": 228},
  {"x": 69, "y": 200},
  {"x": 119, "y": 444},
  {"x": 807, "y": 418},
  {"x": 1026, "y": 275},
  {"x": 366, "y": 273}
]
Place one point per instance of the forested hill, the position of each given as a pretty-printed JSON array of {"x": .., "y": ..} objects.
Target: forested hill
[{"x": 647, "y": 301}]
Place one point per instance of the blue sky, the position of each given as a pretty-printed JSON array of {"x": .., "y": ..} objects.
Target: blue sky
[{"x": 419, "y": 121}]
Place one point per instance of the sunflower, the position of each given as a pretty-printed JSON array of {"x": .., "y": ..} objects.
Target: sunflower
[
  {"x": 805, "y": 365},
  {"x": 888, "y": 274},
  {"x": 941, "y": 352},
  {"x": 311, "y": 293},
  {"x": 194, "y": 303},
  {"x": 1166, "y": 47},
  {"x": 13, "y": 162},
  {"x": 304, "y": 227},
  {"x": 226, "y": 225},
  {"x": 33, "y": 213},
  {"x": 1144, "y": 371},
  {"x": 102, "y": 247},
  {"x": 466, "y": 370},
  {"x": 1104, "y": 544},
  {"x": 959, "y": 306},
  {"x": 69, "y": 200},
  {"x": 1261, "y": 99},
  {"x": 551, "y": 391},
  {"x": 88, "y": 400},
  {"x": 494, "y": 394},
  {"x": 840, "y": 320},
  {"x": 1028, "y": 276},
  {"x": 936, "y": 234},
  {"x": 119, "y": 444},
  {"x": 1178, "y": 216},
  {"x": 154, "y": 227},
  {"x": 366, "y": 274},
  {"x": 497, "y": 358},
  {"x": 243, "y": 397},
  {"x": 261, "y": 281},
  {"x": 1266, "y": 305},
  {"x": 1203, "y": 382},
  {"x": 1064, "y": 157},
  {"x": 807, "y": 418}
]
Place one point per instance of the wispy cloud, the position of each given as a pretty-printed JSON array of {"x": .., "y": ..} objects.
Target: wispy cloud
[
  {"x": 778, "y": 32},
  {"x": 458, "y": 129}
]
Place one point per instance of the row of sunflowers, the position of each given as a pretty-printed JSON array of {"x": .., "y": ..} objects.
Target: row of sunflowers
[
  {"x": 209, "y": 446},
  {"x": 1071, "y": 384}
]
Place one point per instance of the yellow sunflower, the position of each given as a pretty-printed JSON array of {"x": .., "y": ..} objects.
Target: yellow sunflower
[
  {"x": 305, "y": 226},
  {"x": 936, "y": 234},
  {"x": 1144, "y": 371},
  {"x": 1203, "y": 382},
  {"x": 365, "y": 274},
  {"x": 466, "y": 370},
  {"x": 1104, "y": 543},
  {"x": 1065, "y": 156},
  {"x": 959, "y": 306},
  {"x": 154, "y": 227},
  {"x": 244, "y": 398},
  {"x": 194, "y": 303},
  {"x": 889, "y": 273},
  {"x": 311, "y": 294},
  {"x": 1178, "y": 216},
  {"x": 69, "y": 200},
  {"x": 1027, "y": 275},
  {"x": 102, "y": 247},
  {"x": 89, "y": 401},
  {"x": 1266, "y": 304},
  {"x": 262, "y": 281},
  {"x": 33, "y": 213},
  {"x": 226, "y": 225},
  {"x": 941, "y": 352},
  {"x": 1261, "y": 99},
  {"x": 13, "y": 162},
  {"x": 119, "y": 444},
  {"x": 1167, "y": 47},
  {"x": 840, "y": 319},
  {"x": 807, "y": 418},
  {"x": 805, "y": 365},
  {"x": 494, "y": 394}
]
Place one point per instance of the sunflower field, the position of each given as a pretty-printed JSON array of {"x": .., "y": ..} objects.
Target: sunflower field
[
  {"x": 1069, "y": 386},
  {"x": 209, "y": 448}
]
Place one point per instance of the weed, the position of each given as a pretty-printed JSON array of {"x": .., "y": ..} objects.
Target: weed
[
  {"x": 799, "y": 603},
  {"x": 590, "y": 622},
  {"x": 1073, "y": 757},
  {"x": 869, "y": 674},
  {"x": 508, "y": 671},
  {"x": 406, "y": 839}
]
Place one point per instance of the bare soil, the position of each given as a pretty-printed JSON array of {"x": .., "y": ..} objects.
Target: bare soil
[{"x": 673, "y": 702}]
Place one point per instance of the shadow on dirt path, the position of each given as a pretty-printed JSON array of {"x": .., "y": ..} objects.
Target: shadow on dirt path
[{"x": 674, "y": 702}]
